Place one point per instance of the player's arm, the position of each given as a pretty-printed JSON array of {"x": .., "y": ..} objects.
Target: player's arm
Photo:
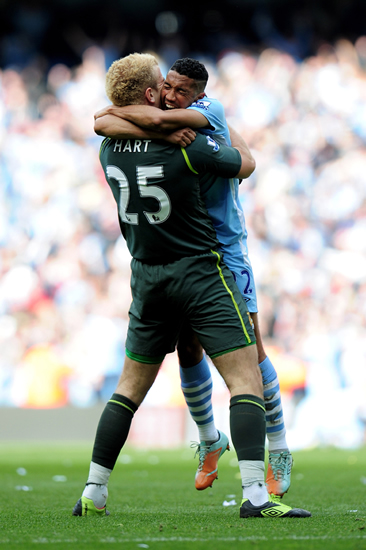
[
  {"x": 205, "y": 155},
  {"x": 152, "y": 118},
  {"x": 247, "y": 160},
  {"x": 117, "y": 128}
]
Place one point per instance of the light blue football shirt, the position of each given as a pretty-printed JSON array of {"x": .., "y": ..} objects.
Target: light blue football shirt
[{"x": 221, "y": 197}]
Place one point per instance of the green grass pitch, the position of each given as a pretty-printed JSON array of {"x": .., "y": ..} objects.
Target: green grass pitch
[{"x": 154, "y": 504}]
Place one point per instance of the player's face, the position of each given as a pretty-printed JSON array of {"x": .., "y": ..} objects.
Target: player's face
[
  {"x": 178, "y": 91},
  {"x": 157, "y": 90}
]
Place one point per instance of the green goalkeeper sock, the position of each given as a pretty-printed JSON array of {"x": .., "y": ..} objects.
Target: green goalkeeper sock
[
  {"x": 248, "y": 426},
  {"x": 112, "y": 431}
]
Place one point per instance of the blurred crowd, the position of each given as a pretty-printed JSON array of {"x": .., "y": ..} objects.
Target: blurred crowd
[{"x": 64, "y": 286}]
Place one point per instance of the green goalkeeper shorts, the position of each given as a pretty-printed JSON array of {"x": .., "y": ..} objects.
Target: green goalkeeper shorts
[{"x": 199, "y": 290}]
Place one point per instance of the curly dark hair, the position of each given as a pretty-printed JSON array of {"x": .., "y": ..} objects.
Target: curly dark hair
[{"x": 193, "y": 69}]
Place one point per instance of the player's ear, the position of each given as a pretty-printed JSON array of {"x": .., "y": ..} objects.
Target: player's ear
[
  {"x": 149, "y": 95},
  {"x": 200, "y": 96}
]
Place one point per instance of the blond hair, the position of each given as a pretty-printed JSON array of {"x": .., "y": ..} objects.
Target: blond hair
[{"x": 128, "y": 78}]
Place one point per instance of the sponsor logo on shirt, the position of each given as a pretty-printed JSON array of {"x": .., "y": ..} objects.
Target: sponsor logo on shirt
[
  {"x": 202, "y": 104},
  {"x": 213, "y": 144}
]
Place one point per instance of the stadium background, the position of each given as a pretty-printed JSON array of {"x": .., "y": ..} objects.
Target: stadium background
[{"x": 292, "y": 80}]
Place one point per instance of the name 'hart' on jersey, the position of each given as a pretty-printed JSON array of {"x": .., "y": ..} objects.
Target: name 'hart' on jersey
[{"x": 156, "y": 186}]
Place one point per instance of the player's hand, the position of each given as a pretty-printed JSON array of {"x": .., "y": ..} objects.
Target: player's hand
[{"x": 181, "y": 137}]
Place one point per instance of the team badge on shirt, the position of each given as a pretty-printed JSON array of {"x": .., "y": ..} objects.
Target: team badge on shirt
[
  {"x": 213, "y": 144},
  {"x": 202, "y": 104}
]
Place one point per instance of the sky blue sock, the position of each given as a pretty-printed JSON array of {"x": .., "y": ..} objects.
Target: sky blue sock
[
  {"x": 275, "y": 424},
  {"x": 196, "y": 383}
]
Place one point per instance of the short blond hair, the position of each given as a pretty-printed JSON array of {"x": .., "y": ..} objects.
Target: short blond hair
[{"x": 128, "y": 78}]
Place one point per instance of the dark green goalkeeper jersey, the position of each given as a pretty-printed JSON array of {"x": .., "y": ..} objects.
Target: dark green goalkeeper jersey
[{"x": 157, "y": 190}]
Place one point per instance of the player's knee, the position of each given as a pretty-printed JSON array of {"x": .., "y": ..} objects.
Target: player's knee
[{"x": 190, "y": 353}]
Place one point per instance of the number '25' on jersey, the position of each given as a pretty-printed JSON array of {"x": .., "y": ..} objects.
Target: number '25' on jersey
[{"x": 157, "y": 189}]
